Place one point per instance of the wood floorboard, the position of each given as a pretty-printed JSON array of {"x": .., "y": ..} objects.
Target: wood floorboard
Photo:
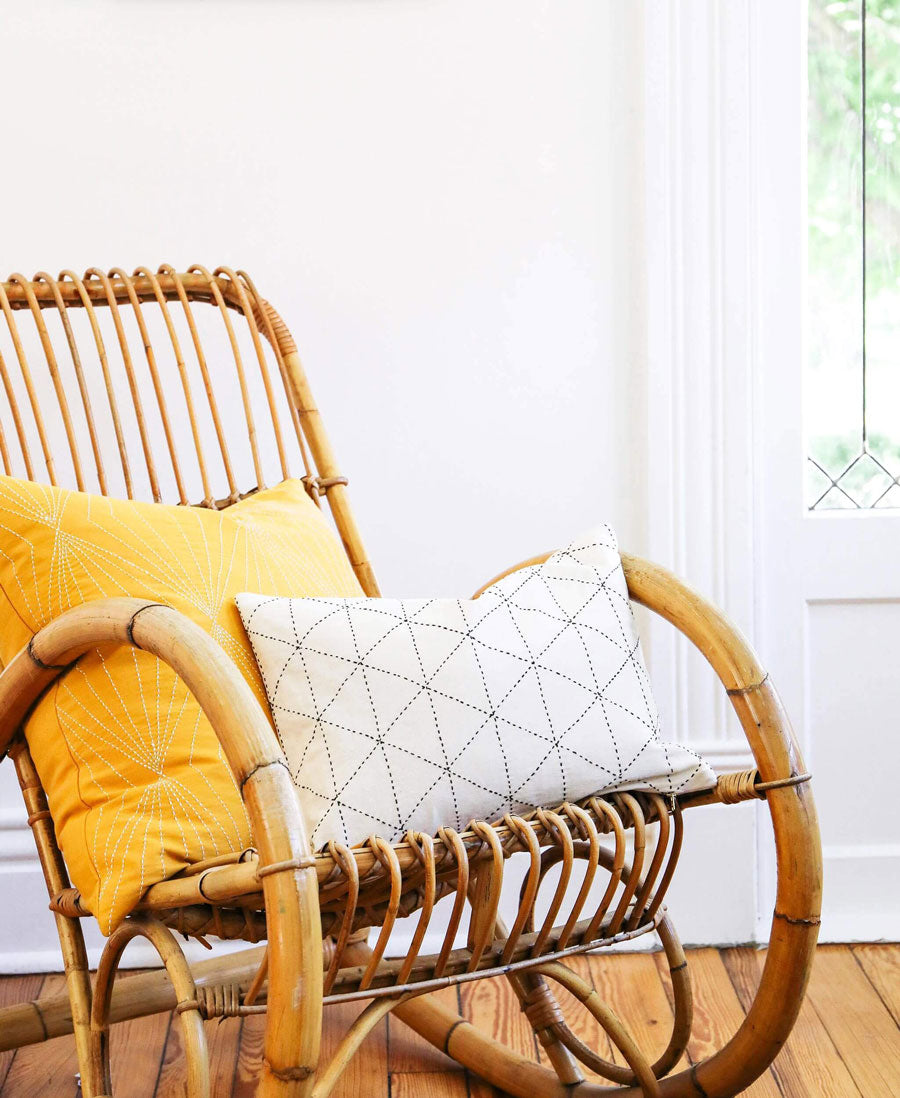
[
  {"x": 809, "y": 1063},
  {"x": 717, "y": 1014},
  {"x": 860, "y": 1025},
  {"x": 136, "y": 1050},
  {"x": 48, "y": 1069},
  {"x": 408, "y": 1052},
  {"x": 881, "y": 964},
  {"x": 637, "y": 997},
  {"x": 250, "y": 1051},
  {"x": 222, "y": 1037},
  {"x": 429, "y": 1084},
  {"x": 583, "y": 1024},
  {"x": 492, "y": 1005},
  {"x": 367, "y": 1072},
  {"x": 15, "y": 989},
  {"x": 846, "y": 1043}
]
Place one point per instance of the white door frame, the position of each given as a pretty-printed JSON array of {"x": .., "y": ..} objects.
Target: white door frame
[
  {"x": 725, "y": 231},
  {"x": 726, "y": 255}
]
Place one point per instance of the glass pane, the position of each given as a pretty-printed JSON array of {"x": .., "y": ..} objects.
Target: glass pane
[
  {"x": 882, "y": 212},
  {"x": 853, "y": 374}
]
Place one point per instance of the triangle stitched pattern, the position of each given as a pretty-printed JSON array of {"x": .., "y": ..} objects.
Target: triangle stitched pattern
[{"x": 398, "y": 714}]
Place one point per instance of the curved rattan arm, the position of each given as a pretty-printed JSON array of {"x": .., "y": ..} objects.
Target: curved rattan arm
[
  {"x": 289, "y": 881},
  {"x": 795, "y": 921}
]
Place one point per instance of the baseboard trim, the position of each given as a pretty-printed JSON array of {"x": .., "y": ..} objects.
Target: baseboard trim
[{"x": 138, "y": 955}]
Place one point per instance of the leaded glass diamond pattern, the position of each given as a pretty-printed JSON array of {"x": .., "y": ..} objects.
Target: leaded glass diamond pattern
[{"x": 863, "y": 482}]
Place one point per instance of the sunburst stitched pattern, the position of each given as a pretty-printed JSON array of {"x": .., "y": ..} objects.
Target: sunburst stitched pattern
[
  {"x": 418, "y": 713},
  {"x": 135, "y": 778}
]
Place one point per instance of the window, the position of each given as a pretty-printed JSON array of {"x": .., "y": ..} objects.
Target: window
[{"x": 852, "y": 396}]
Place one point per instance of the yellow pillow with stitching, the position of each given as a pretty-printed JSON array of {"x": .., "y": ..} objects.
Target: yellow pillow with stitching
[{"x": 136, "y": 781}]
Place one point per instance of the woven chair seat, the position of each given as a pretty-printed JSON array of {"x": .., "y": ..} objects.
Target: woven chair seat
[{"x": 375, "y": 883}]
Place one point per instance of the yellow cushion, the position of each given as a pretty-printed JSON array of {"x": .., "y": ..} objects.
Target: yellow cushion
[{"x": 136, "y": 781}]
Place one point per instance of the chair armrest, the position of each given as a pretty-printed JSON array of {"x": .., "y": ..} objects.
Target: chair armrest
[
  {"x": 211, "y": 676},
  {"x": 720, "y": 641},
  {"x": 286, "y": 866},
  {"x": 798, "y": 901}
]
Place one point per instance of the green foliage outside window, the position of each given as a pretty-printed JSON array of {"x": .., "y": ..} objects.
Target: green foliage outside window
[{"x": 853, "y": 397}]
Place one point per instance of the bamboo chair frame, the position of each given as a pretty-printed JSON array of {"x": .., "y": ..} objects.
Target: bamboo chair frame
[{"x": 314, "y": 909}]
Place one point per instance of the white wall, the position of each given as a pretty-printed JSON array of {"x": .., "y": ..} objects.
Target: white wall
[
  {"x": 545, "y": 241},
  {"x": 443, "y": 198}
]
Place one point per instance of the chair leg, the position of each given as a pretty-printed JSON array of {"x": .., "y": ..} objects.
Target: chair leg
[
  {"x": 78, "y": 985},
  {"x": 541, "y": 1010},
  {"x": 293, "y": 1018},
  {"x": 71, "y": 938},
  {"x": 294, "y": 931}
]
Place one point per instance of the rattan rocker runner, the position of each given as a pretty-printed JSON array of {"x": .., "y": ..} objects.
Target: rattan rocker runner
[{"x": 314, "y": 911}]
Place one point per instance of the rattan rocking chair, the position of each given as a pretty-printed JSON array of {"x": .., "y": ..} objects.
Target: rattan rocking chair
[{"x": 315, "y": 910}]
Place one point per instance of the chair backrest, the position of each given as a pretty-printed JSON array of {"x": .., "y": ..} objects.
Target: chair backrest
[{"x": 180, "y": 387}]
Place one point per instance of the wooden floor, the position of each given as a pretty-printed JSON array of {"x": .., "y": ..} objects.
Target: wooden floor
[{"x": 845, "y": 1045}]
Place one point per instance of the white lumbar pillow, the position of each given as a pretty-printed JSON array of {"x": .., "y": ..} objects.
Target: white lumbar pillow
[{"x": 421, "y": 713}]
